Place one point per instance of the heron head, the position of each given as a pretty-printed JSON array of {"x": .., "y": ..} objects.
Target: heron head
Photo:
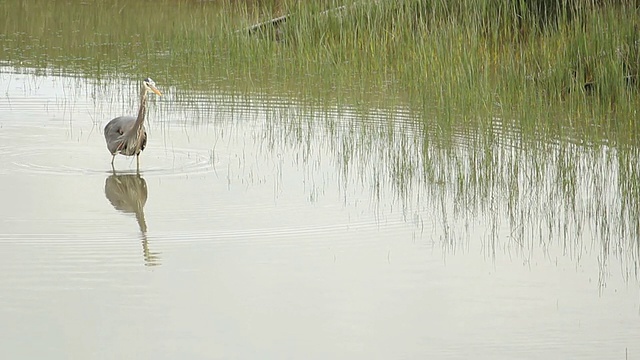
[{"x": 151, "y": 86}]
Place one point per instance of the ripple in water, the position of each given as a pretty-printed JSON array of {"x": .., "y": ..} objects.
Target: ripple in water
[{"x": 60, "y": 160}]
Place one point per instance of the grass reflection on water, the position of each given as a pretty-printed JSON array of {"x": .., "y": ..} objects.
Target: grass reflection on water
[{"x": 514, "y": 194}]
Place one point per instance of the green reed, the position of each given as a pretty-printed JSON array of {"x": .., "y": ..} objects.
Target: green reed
[{"x": 454, "y": 57}]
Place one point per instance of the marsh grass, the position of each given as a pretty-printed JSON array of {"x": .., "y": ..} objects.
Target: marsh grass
[
  {"x": 525, "y": 111},
  {"x": 458, "y": 58}
]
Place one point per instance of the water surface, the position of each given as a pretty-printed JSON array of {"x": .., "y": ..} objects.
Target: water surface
[{"x": 261, "y": 226}]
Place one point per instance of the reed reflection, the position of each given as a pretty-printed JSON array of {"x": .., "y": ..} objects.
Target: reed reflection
[{"x": 128, "y": 194}]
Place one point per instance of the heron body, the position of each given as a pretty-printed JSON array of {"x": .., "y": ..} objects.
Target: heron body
[
  {"x": 126, "y": 134},
  {"x": 116, "y": 130}
]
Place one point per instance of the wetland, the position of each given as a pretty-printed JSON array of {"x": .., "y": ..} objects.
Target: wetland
[{"x": 385, "y": 179}]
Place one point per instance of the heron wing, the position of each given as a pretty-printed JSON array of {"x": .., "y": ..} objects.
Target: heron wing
[{"x": 115, "y": 130}]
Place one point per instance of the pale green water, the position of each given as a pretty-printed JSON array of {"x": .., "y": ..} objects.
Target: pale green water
[{"x": 330, "y": 220}]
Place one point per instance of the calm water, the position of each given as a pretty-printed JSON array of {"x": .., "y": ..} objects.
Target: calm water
[{"x": 260, "y": 227}]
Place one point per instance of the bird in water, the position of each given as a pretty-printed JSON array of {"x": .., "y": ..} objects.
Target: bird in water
[{"x": 125, "y": 134}]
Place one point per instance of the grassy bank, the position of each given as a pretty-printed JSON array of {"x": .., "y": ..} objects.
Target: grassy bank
[
  {"x": 556, "y": 61},
  {"x": 566, "y": 63}
]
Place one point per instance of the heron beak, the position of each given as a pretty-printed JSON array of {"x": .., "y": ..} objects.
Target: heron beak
[{"x": 153, "y": 88}]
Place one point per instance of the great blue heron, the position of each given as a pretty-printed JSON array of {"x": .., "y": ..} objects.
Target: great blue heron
[{"x": 125, "y": 134}]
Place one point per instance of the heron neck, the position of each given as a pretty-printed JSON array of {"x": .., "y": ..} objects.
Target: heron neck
[{"x": 142, "y": 111}]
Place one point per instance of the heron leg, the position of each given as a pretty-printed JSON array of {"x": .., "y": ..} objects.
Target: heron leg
[
  {"x": 113, "y": 158},
  {"x": 138, "y": 162}
]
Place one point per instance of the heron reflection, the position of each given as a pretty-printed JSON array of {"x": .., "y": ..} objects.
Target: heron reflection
[{"x": 128, "y": 194}]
